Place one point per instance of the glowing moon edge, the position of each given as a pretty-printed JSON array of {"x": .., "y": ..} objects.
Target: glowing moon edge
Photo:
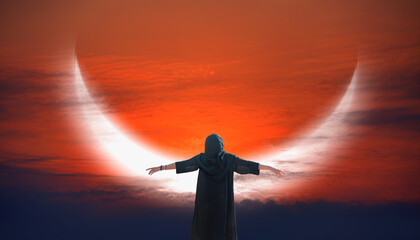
[{"x": 131, "y": 154}]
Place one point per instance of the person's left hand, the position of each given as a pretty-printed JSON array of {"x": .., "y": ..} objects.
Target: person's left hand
[{"x": 153, "y": 170}]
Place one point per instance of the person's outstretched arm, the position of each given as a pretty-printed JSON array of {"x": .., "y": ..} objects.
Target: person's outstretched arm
[
  {"x": 276, "y": 171},
  {"x": 181, "y": 166},
  {"x": 242, "y": 166},
  {"x": 160, "y": 168}
]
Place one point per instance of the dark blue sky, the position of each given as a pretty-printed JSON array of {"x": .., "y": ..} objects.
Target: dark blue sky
[{"x": 27, "y": 214}]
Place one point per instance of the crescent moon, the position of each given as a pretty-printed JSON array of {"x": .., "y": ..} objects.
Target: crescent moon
[{"x": 135, "y": 158}]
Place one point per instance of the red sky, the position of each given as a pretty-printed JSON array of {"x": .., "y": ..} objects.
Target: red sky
[{"x": 172, "y": 73}]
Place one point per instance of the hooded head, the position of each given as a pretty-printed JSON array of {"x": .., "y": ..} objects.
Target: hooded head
[
  {"x": 212, "y": 161},
  {"x": 213, "y": 146}
]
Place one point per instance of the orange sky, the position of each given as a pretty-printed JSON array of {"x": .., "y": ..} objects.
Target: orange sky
[
  {"x": 252, "y": 73},
  {"x": 256, "y": 73}
]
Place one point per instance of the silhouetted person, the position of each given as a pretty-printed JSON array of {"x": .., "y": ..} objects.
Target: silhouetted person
[{"x": 214, "y": 212}]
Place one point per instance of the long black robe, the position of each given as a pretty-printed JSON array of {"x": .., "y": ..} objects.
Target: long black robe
[{"x": 214, "y": 212}]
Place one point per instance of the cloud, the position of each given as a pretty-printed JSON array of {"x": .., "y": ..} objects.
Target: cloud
[
  {"x": 84, "y": 187},
  {"x": 29, "y": 93},
  {"x": 401, "y": 117}
]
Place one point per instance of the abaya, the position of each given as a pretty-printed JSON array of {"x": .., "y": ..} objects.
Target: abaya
[{"x": 214, "y": 211}]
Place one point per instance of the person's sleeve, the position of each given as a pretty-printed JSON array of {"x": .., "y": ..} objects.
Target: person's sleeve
[
  {"x": 187, "y": 165},
  {"x": 242, "y": 166}
]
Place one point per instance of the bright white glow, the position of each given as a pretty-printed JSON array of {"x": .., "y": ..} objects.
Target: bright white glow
[
  {"x": 311, "y": 147},
  {"x": 135, "y": 158},
  {"x": 306, "y": 155}
]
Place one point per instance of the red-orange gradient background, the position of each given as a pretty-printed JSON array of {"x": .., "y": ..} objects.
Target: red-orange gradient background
[{"x": 171, "y": 73}]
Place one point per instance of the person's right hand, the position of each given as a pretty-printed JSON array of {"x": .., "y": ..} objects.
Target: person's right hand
[
  {"x": 153, "y": 170},
  {"x": 278, "y": 172}
]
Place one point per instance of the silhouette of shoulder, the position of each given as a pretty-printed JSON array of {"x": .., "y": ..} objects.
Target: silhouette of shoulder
[{"x": 243, "y": 166}]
